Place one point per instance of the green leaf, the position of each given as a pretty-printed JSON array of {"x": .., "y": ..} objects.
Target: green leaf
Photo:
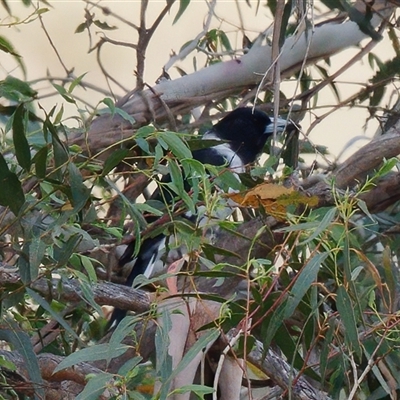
[
  {"x": 326, "y": 349},
  {"x": 22, "y": 150},
  {"x": 80, "y": 193},
  {"x": 7, "y": 47},
  {"x": 110, "y": 104},
  {"x": 54, "y": 314},
  {"x": 40, "y": 160},
  {"x": 303, "y": 282},
  {"x": 81, "y": 27},
  {"x": 224, "y": 40},
  {"x": 130, "y": 365},
  {"x": 345, "y": 308},
  {"x": 95, "y": 387},
  {"x": 63, "y": 92},
  {"x": 205, "y": 340},
  {"x": 125, "y": 115},
  {"x": 176, "y": 144},
  {"x": 11, "y": 193},
  {"x": 104, "y": 25},
  {"x": 76, "y": 82},
  {"x": 93, "y": 353},
  {"x": 37, "y": 249},
  {"x": 62, "y": 254},
  {"x": 21, "y": 343},
  {"x": 182, "y": 7},
  {"x": 199, "y": 390},
  {"x": 322, "y": 226},
  {"x": 15, "y": 89},
  {"x": 87, "y": 263},
  {"x": 123, "y": 329},
  {"x": 60, "y": 152},
  {"x": 177, "y": 185},
  {"x": 113, "y": 160},
  {"x": 163, "y": 358}
]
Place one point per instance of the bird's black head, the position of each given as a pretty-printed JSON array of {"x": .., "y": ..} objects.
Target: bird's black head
[{"x": 247, "y": 130}]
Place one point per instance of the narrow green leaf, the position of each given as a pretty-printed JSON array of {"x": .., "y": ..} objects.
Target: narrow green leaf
[
  {"x": 390, "y": 278},
  {"x": 59, "y": 115},
  {"x": 304, "y": 280},
  {"x": 21, "y": 343},
  {"x": 225, "y": 40},
  {"x": 63, "y": 92},
  {"x": 323, "y": 363},
  {"x": 182, "y": 7},
  {"x": 113, "y": 160},
  {"x": 80, "y": 193},
  {"x": 123, "y": 329},
  {"x": 37, "y": 250},
  {"x": 176, "y": 144},
  {"x": 176, "y": 177},
  {"x": 177, "y": 185},
  {"x": 7, "y": 47},
  {"x": 347, "y": 267},
  {"x": 322, "y": 226},
  {"x": 11, "y": 193},
  {"x": 274, "y": 323},
  {"x": 87, "y": 293},
  {"x": 125, "y": 115},
  {"x": 40, "y": 160},
  {"x": 55, "y": 315},
  {"x": 199, "y": 390},
  {"x": 346, "y": 310},
  {"x": 22, "y": 150},
  {"x": 95, "y": 387},
  {"x": 93, "y": 353},
  {"x": 76, "y": 82},
  {"x": 23, "y": 263},
  {"x": 87, "y": 263},
  {"x": 163, "y": 358},
  {"x": 60, "y": 151},
  {"x": 130, "y": 365},
  {"x": 63, "y": 254},
  {"x": 200, "y": 345}
]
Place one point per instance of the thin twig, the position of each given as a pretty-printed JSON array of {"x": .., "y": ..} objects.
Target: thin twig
[
  {"x": 67, "y": 71},
  {"x": 193, "y": 44}
]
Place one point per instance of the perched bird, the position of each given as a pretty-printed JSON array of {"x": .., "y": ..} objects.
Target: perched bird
[{"x": 243, "y": 134}]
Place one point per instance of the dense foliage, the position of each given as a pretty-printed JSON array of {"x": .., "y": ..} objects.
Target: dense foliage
[{"x": 306, "y": 272}]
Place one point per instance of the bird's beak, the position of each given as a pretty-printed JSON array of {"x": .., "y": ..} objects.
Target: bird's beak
[{"x": 281, "y": 124}]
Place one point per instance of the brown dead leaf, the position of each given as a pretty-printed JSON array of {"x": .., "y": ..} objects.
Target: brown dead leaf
[{"x": 274, "y": 198}]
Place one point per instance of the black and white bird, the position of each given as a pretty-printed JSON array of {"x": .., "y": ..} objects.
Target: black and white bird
[{"x": 243, "y": 134}]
